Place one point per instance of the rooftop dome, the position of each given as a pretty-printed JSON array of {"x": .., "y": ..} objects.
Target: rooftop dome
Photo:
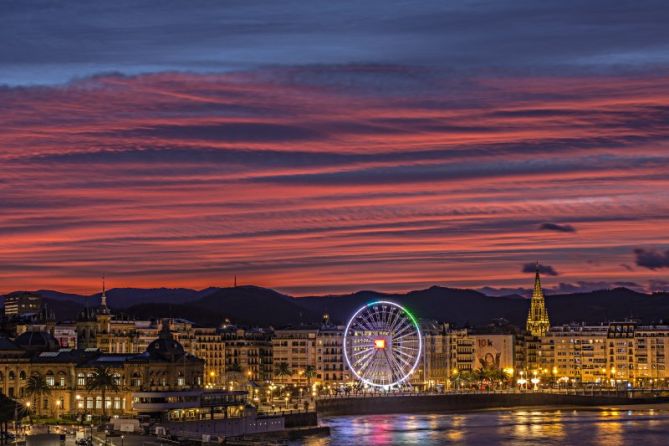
[
  {"x": 166, "y": 347},
  {"x": 37, "y": 341}
]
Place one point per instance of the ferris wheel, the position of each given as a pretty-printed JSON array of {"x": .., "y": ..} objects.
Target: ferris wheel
[{"x": 382, "y": 344}]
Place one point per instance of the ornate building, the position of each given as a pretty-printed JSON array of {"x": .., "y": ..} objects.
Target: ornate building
[
  {"x": 163, "y": 367},
  {"x": 98, "y": 328},
  {"x": 537, "y": 319}
]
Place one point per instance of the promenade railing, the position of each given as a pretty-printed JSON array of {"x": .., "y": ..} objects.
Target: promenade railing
[{"x": 637, "y": 392}]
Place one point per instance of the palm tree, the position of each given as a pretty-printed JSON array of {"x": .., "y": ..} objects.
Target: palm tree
[
  {"x": 309, "y": 372},
  {"x": 283, "y": 369},
  {"x": 466, "y": 376},
  {"x": 102, "y": 379},
  {"x": 498, "y": 376},
  {"x": 9, "y": 410},
  {"x": 37, "y": 387}
]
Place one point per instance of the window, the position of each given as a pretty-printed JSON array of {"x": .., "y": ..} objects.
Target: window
[
  {"x": 50, "y": 381},
  {"x": 89, "y": 402},
  {"x": 117, "y": 403},
  {"x": 81, "y": 379},
  {"x": 98, "y": 402},
  {"x": 135, "y": 380}
]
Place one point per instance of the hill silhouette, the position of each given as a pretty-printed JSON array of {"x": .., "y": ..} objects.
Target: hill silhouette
[{"x": 257, "y": 306}]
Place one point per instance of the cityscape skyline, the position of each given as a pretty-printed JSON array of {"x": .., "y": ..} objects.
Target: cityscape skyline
[{"x": 338, "y": 223}]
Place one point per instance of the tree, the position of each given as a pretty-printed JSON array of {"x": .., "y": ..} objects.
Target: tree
[
  {"x": 309, "y": 372},
  {"x": 467, "y": 377},
  {"x": 283, "y": 369},
  {"x": 10, "y": 410},
  {"x": 37, "y": 387},
  {"x": 498, "y": 376},
  {"x": 103, "y": 379}
]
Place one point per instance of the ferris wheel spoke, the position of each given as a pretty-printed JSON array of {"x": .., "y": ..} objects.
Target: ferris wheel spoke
[
  {"x": 363, "y": 363},
  {"x": 373, "y": 370},
  {"x": 408, "y": 363},
  {"x": 363, "y": 370},
  {"x": 368, "y": 324},
  {"x": 362, "y": 352},
  {"x": 396, "y": 320},
  {"x": 403, "y": 371},
  {"x": 409, "y": 358},
  {"x": 411, "y": 354},
  {"x": 391, "y": 365},
  {"x": 399, "y": 339},
  {"x": 361, "y": 355},
  {"x": 396, "y": 368},
  {"x": 361, "y": 339},
  {"x": 404, "y": 329},
  {"x": 390, "y": 316},
  {"x": 411, "y": 351},
  {"x": 377, "y": 317}
]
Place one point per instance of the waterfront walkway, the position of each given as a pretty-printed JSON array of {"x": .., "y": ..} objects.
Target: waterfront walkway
[
  {"x": 398, "y": 402},
  {"x": 632, "y": 392}
]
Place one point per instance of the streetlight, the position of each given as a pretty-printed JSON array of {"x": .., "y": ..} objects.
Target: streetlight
[
  {"x": 535, "y": 381},
  {"x": 122, "y": 438}
]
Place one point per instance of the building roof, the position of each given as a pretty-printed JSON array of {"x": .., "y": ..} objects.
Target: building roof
[
  {"x": 6, "y": 345},
  {"x": 37, "y": 341}
]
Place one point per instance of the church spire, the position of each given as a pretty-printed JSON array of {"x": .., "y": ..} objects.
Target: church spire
[
  {"x": 538, "y": 292},
  {"x": 537, "y": 319},
  {"x": 103, "y": 296}
]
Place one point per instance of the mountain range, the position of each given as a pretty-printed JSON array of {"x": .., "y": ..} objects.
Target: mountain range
[{"x": 257, "y": 306}]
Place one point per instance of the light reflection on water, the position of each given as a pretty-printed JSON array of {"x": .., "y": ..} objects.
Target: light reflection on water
[{"x": 520, "y": 427}]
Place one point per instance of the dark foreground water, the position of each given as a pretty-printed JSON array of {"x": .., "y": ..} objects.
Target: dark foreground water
[{"x": 496, "y": 428}]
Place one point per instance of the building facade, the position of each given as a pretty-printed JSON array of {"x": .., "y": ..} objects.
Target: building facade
[
  {"x": 21, "y": 303},
  {"x": 163, "y": 367}
]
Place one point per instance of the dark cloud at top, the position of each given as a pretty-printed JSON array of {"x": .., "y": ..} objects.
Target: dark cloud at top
[
  {"x": 557, "y": 227},
  {"x": 651, "y": 258},
  {"x": 543, "y": 269},
  {"x": 54, "y": 42}
]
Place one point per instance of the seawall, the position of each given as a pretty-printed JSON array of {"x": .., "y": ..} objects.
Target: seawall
[{"x": 469, "y": 401}]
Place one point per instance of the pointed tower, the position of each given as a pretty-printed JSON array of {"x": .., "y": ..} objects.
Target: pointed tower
[
  {"x": 537, "y": 319},
  {"x": 103, "y": 299}
]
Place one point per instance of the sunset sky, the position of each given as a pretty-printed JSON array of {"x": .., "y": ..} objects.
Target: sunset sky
[{"x": 331, "y": 146}]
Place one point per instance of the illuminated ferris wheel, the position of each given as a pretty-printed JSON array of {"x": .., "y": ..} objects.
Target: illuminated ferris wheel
[{"x": 382, "y": 344}]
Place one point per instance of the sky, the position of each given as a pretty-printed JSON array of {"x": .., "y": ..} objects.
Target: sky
[{"x": 325, "y": 147}]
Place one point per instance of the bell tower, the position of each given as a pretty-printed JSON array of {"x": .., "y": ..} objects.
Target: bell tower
[{"x": 537, "y": 319}]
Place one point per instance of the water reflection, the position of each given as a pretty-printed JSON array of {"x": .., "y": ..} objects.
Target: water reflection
[{"x": 606, "y": 427}]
